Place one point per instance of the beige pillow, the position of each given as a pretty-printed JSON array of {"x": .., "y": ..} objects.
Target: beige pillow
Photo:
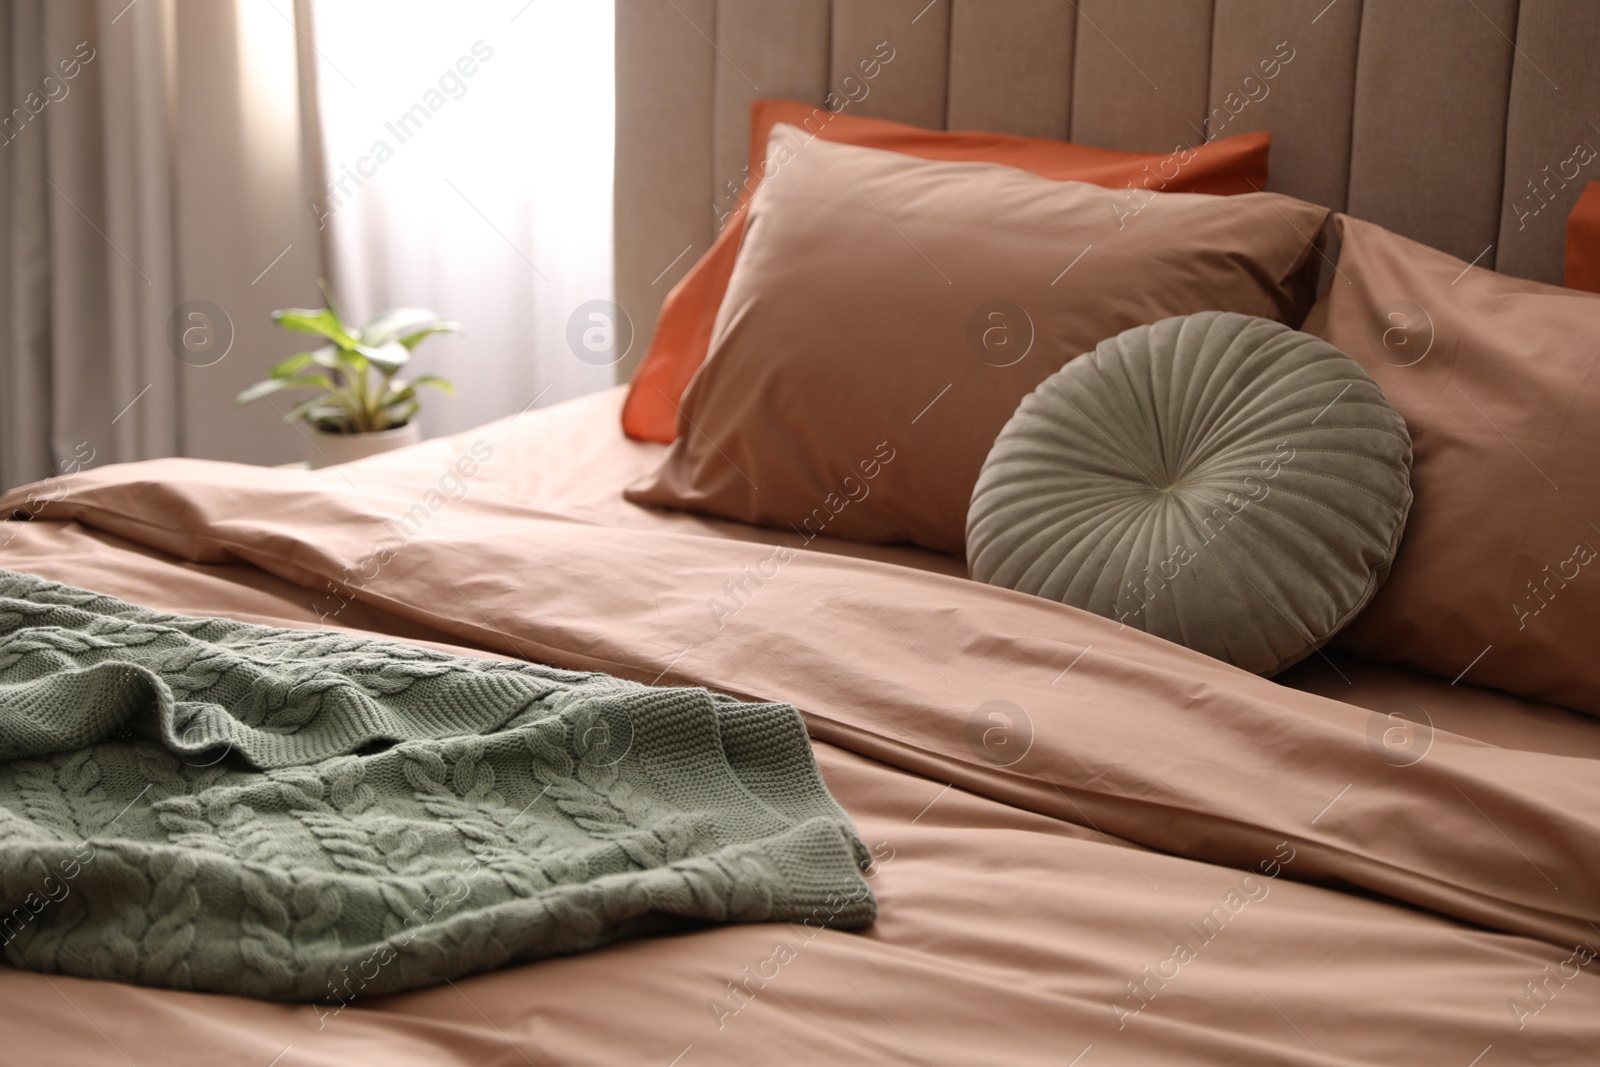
[
  {"x": 1498, "y": 580},
  {"x": 887, "y": 314}
]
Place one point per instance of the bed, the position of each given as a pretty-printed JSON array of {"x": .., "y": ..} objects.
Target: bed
[{"x": 1089, "y": 845}]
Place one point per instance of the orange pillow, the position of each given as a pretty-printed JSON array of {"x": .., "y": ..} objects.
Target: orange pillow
[
  {"x": 683, "y": 330},
  {"x": 1583, "y": 241}
]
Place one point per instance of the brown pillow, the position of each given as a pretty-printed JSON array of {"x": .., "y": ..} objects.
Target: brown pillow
[
  {"x": 1497, "y": 581},
  {"x": 887, "y": 314}
]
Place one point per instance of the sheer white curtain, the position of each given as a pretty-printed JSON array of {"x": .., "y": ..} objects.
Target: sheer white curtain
[{"x": 468, "y": 155}]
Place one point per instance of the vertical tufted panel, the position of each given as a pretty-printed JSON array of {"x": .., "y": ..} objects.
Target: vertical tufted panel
[
  {"x": 1289, "y": 66},
  {"x": 1552, "y": 133},
  {"x": 1427, "y": 153},
  {"x": 911, "y": 87},
  {"x": 1142, "y": 76},
  {"x": 1396, "y": 110},
  {"x": 1011, "y": 66},
  {"x": 663, "y": 153},
  {"x": 775, "y": 49}
]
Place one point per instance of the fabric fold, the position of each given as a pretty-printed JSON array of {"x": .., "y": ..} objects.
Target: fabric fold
[{"x": 1117, "y": 730}]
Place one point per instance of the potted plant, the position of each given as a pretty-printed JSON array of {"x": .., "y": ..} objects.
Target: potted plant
[{"x": 363, "y": 407}]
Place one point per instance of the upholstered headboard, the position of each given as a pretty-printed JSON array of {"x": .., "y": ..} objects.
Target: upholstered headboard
[{"x": 1471, "y": 125}]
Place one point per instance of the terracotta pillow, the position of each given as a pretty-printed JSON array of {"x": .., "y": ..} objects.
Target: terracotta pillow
[
  {"x": 683, "y": 330},
  {"x": 1497, "y": 581},
  {"x": 1583, "y": 241},
  {"x": 887, "y": 314}
]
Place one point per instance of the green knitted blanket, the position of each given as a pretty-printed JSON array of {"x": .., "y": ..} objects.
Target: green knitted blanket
[{"x": 210, "y": 805}]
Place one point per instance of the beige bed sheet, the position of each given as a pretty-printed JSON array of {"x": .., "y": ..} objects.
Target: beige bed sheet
[{"x": 1411, "y": 906}]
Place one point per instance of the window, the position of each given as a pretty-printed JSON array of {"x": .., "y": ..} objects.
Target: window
[{"x": 468, "y": 153}]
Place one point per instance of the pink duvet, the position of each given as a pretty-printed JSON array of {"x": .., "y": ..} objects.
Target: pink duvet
[{"x": 1093, "y": 846}]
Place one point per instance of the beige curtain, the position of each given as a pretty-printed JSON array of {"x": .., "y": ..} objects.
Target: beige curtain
[{"x": 156, "y": 167}]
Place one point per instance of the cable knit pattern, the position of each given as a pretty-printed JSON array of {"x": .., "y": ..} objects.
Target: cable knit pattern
[{"x": 210, "y": 805}]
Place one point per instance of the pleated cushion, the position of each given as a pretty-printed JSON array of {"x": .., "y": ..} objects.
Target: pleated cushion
[{"x": 1217, "y": 479}]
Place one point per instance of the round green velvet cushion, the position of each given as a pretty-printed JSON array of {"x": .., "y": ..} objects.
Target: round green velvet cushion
[{"x": 1218, "y": 480}]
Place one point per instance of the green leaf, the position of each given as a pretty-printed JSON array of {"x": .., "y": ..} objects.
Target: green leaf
[
  {"x": 403, "y": 389},
  {"x": 433, "y": 380},
  {"x": 328, "y": 356},
  {"x": 322, "y": 322},
  {"x": 400, "y": 415},
  {"x": 399, "y": 392},
  {"x": 273, "y": 385},
  {"x": 412, "y": 340},
  {"x": 293, "y": 365},
  {"x": 295, "y": 369},
  {"x": 318, "y": 411},
  {"x": 304, "y": 408},
  {"x": 408, "y": 326},
  {"x": 349, "y": 361},
  {"x": 387, "y": 358}
]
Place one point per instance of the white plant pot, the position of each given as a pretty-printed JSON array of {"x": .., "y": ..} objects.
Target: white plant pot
[{"x": 334, "y": 449}]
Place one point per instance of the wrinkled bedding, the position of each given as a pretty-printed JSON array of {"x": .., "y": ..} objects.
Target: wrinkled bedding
[{"x": 1091, "y": 846}]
